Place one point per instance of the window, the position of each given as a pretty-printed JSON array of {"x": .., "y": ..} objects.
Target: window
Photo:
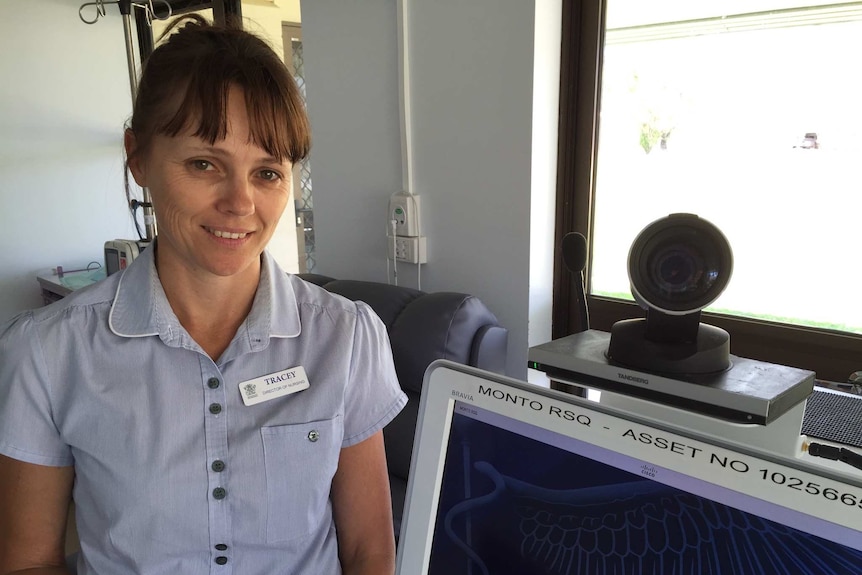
[
  {"x": 294, "y": 57},
  {"x": 742, "y": 113}
]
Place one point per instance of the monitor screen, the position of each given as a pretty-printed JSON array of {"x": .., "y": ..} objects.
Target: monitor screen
[{"x": 530, "y": 482}]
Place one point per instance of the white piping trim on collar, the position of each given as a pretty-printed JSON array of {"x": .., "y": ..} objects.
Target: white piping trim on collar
[{"x": 111, "y": 314}]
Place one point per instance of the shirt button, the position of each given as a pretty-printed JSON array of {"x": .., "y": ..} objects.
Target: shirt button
[
  {"x": 221, "y": 560},
  {"x": 219, "y": 493},
  {"x": 221, "y": 547},
  {"x": 215, "y": 408},
  {"x": 218, "y": 465},
  {"x": 213, "y": 382},
  {"x": 313, "y": 435}
]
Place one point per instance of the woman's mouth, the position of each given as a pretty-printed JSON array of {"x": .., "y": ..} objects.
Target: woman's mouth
[{"x": 227, "y": 235}]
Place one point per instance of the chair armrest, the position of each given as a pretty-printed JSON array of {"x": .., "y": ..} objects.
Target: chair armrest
[{"x": 489, "y": 348}]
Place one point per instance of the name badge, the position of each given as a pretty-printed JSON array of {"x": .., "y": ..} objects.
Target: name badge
[{"x": 274, "y": 385}]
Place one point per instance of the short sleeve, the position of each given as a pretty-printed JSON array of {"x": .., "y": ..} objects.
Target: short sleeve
[
  {"x": 373, "y": 395},
  {"x": 27, "y": 429}
]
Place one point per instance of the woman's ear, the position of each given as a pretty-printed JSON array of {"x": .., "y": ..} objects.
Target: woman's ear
[{"x": 136, "y": 166}]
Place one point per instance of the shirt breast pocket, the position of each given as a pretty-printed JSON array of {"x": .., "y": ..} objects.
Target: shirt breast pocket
[{"x": 300, "y": 461}]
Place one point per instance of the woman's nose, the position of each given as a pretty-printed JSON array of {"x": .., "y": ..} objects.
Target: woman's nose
[{"x": 237, "y": 197}]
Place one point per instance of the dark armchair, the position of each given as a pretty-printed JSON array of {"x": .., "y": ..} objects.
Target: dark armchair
[{"x": 423, "y": 327}]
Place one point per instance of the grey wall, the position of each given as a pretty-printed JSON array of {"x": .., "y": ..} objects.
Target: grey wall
[
  {"x": 472, "y": 71},
  {"x": 64, "y": 96},
  {"x": 351, "y": 69},
  {"x": 64, "y": 100}
]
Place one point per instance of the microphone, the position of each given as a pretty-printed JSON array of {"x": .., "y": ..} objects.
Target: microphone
[{"x": 574, "y": 250}]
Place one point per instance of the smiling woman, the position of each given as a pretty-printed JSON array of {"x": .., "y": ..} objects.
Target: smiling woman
[
  {"x": 207, "y": 181},
  {"x": 279, "y": 25},
  {"x": 218, "y": 203},
  {"x": 218, "y": 206},
  {"x": 158, "y": 402}
]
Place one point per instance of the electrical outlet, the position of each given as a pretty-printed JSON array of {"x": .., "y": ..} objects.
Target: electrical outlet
[
  {"x": 410, "y": 250},
  {"x": 404, "y": 210}
]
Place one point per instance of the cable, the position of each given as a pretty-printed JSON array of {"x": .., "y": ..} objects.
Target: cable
[
  {"x": 393, "y": 224},
  {"x": 388, "y": 274},
  {"x": 419, "y": 235},
  {"x": 133, "y": 206},
  {"x": 835, "y": 454}
]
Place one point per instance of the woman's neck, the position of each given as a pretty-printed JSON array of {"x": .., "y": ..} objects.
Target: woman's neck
[{"x": 209, "y": 307}]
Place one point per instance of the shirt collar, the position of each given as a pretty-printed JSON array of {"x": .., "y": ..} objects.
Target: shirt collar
[
  {"x": 141, "y": 308},
  {"x": 275, "y": 311}
]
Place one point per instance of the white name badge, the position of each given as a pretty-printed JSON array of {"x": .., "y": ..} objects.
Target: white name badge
[{"x": 274, "y": 385}]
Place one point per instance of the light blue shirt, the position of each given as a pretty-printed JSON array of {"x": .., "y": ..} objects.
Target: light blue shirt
[{"x": 174, "y": 474}]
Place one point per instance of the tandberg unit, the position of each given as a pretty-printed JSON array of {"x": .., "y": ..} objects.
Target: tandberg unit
[
  {"x": 677, "y": 266},
  {"x": 749, "y": 392}
]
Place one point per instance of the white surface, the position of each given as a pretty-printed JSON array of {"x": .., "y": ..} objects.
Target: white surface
[
  {"x": 543, "y": 169},
  {"x": 471, "y": 84},
  {"x": 64, "y": 98}
]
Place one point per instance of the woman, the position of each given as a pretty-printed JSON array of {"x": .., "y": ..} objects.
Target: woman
[{"x": 209, "y": 413}]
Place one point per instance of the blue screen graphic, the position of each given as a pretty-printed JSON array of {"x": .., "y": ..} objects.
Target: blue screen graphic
[{"x": 510, "y": 504}]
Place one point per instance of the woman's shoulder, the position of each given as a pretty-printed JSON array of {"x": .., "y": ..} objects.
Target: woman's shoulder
[
  {"x": 310, "y": 293},
  {"x": 82, "y": 311},
  {"x": 94, "y": 298}
]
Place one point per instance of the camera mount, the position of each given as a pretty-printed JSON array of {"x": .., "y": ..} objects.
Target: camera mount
[{"x": 677, "y": 266}]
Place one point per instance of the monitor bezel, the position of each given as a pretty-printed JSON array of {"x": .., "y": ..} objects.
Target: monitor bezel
[{"x": 447, "y": 383}]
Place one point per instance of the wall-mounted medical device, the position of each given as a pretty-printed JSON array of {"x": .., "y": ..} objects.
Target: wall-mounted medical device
[
  {"x": 120, "y": 253},
  {"x": 405, "y": 240}
]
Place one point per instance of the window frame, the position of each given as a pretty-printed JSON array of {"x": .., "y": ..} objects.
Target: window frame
[{"x": 832, "y": 355}]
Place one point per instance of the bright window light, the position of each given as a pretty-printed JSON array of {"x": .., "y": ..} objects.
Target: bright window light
[{"x": 748, "y": 115}]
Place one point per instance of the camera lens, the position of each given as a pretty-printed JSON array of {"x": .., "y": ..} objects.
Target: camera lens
[
  {"x": 677, "y": 270},
  {"x": 679, "y": 264}
]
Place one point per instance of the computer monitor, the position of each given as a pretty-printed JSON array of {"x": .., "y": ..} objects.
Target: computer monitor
[{"x": 513, "y": 478}]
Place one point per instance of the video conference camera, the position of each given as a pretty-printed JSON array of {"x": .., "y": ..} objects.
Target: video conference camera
[{"x": 677, "y": 266}]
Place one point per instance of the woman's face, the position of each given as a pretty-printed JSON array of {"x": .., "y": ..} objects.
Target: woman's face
[{"x": 216, "y": 205}]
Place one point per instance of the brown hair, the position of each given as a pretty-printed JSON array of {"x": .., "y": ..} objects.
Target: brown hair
[{"x": 185, "y": 83}]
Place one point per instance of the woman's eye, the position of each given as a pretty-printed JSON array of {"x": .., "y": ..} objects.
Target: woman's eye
[
  {"x": 201, "y": 165},
  {"x": 270, "y": 175}
]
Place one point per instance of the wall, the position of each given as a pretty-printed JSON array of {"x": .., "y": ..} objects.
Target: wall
[
  {"x": 351, "y": 70},
  {"x": 63, "y": 100},
  {"x": 546, "y": 104},
  {"x": 471, "y": 66}
]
